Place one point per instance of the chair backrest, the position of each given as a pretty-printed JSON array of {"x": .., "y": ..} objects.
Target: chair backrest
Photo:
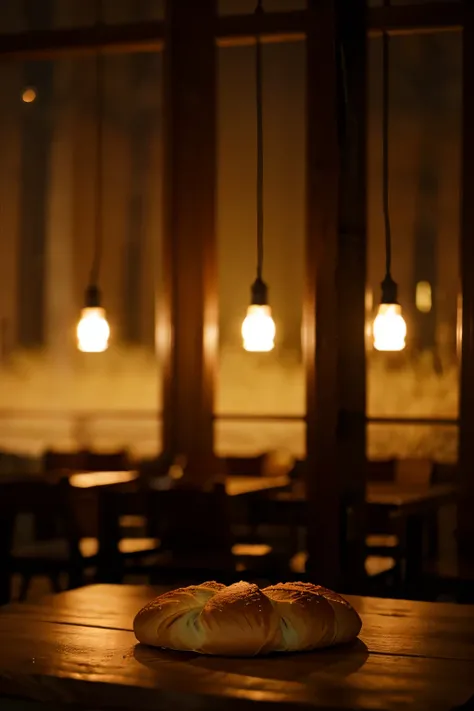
[
  {"x": 86, "y": 461},
  {"x": 244, "y": 466},
  {"x": 381, "y": 469},
  {"x": 414, "y": 472},
  {"x": 297, "y": 473},
  {"x": 444, "y": 473},
  {"x": 48, "y": 504},
  {"x": 54, "y": 461},
  {"x": 184, "y": 519},
  {"x": 196, "y": 520},
  {"x": 278, "y": 462},
  {"x": 106, "y": 461}
]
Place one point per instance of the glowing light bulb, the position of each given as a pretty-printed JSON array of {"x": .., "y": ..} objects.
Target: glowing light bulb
[
  {"x": 28, "y": 95},
  {"x": 389, "y": 329},
  {"x": 93, "y": 331},
  {"x": 258, "y": 329}
]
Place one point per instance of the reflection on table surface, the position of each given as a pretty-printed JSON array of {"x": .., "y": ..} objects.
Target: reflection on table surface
[
  {"x": 239, "y": 485},
  {"x": 87, "y": 480}
]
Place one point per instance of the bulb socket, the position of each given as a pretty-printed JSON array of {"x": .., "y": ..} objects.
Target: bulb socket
[
  {"x": 92, "y": 297},
  {"x": 259, "y": 293},
  {"x": 389, "y": 291}
]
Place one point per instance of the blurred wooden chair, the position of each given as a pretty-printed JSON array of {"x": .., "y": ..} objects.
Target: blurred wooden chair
[
  {"x": 55, "y": 461},
  {"x": 444, "y": 473},
  {"x": 244, "y": 466},
  {"x": 192, "y": 530},
  {"x": 298, "y": 470},
  {"x": 383, "y": 545},
  {"x": 115, "y": 461},
  {"x": 85, "y": 461},
  {"x": 385, "y": 538},
  {"x": 62, "y": 553},
  {"x": 277, "y": 463},
  {"x": 414, "y": 472},
  {"x": 381, "y": 470},
  {"x": 418, "y": 473}
]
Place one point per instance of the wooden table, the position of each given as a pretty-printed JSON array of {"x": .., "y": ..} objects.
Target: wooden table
[
  {"x": 406, "y": 499},
  {"x": 89, "y": 480},
  {"x": 409, "y": 500},
  {"x": 411, "y": 505},
  {"x": 414, "y": 507},
  {"x": 78, "y": 648},
  {"x": 244, "y": 485}
]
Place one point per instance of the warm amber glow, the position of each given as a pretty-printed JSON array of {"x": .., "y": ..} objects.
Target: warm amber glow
[
  {"x": 423, "y": 297},
  {"x": 459, "y": 326},
  {"x": 258, "y": 329},
  {"x": 90, "y": 479},
  {"x": 93, "y": 331},
  {"x": 29, "y": 95},
  {"x": 390, "y": 329}
]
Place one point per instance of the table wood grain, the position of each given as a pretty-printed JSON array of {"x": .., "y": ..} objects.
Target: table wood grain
[{"x": 78, "y": 647}]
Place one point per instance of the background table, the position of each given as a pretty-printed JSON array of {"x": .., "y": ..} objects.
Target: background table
[
  {"x": 88, "y": 480},
  {"x": 78, "y": 648},
  {"x": 245, "y": 485}
]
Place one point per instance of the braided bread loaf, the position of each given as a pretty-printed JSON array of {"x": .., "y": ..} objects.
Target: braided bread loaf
[{"x": 242, "y": 620}]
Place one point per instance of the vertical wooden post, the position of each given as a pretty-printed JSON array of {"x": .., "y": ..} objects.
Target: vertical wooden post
[
  {"x": 320, "y": 306},
  {"x": 466, "y": 419},
  {"x": 334, "y": 304},
  {"x": 187, "y": 329},
  {"x": 351, "y": 285}
]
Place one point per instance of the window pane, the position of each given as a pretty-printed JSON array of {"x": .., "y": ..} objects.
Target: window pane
[
  {"x": 425, "y": 137},
  {"x": 52, "y": 395},
  {"x": 261, "y": 383},
  {"x": 16, "y": 16}
]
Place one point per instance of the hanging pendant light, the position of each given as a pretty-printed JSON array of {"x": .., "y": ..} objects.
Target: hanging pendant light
[
  {"x": 93, "y": 330},
  {"x": 258, "y": 328},
  {"x": 389, "y": 327}
]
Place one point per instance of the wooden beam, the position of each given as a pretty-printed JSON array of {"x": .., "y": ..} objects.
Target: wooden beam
[
  {"x": 416, "y": 18},
  {"x": 334, "y": 308},
  {"x": 229, "y": 31},
  {"x": 187, "y": 327},
  {"x": 351, "y": 284},
  {"x": 233, "y": 30},
  {"x": 50, "y": 44},
  {"x": 466, "y": 425},
  {"x": 320, "y": 302},
  {"x": 240, "y": 30}
]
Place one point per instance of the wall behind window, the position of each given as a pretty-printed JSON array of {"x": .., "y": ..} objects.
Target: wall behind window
[
  {"x": 424, "y": 143},
  {"x": 52, "y": 395}
]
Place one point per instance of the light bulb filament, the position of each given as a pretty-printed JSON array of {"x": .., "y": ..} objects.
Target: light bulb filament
[
  {"x": 258, "y": 329},
  {"x": 389, "y": 329},
  {"x": 93, "y": 331}
]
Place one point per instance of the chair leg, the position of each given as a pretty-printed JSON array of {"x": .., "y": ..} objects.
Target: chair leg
[
  {"x": 75, "y": 577},
  {"x": 55, "y": 584},
  {"x": 5, "y": 586},
  {"x": 24, "y": 586}
]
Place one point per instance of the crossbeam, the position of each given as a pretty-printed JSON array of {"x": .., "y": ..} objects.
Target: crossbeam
[
  {"x": 230, "y": 31},
  {"x": 83, "y": 41},
  {"x": 415, "y": 19}
]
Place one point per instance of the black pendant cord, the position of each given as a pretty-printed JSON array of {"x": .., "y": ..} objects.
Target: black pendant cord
[
  {"x": 259, "y": 107},
  {"x": 389, "y": 287},
  {"x": 98, "y": 218},
  {"x": 385, "y": 152}
]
